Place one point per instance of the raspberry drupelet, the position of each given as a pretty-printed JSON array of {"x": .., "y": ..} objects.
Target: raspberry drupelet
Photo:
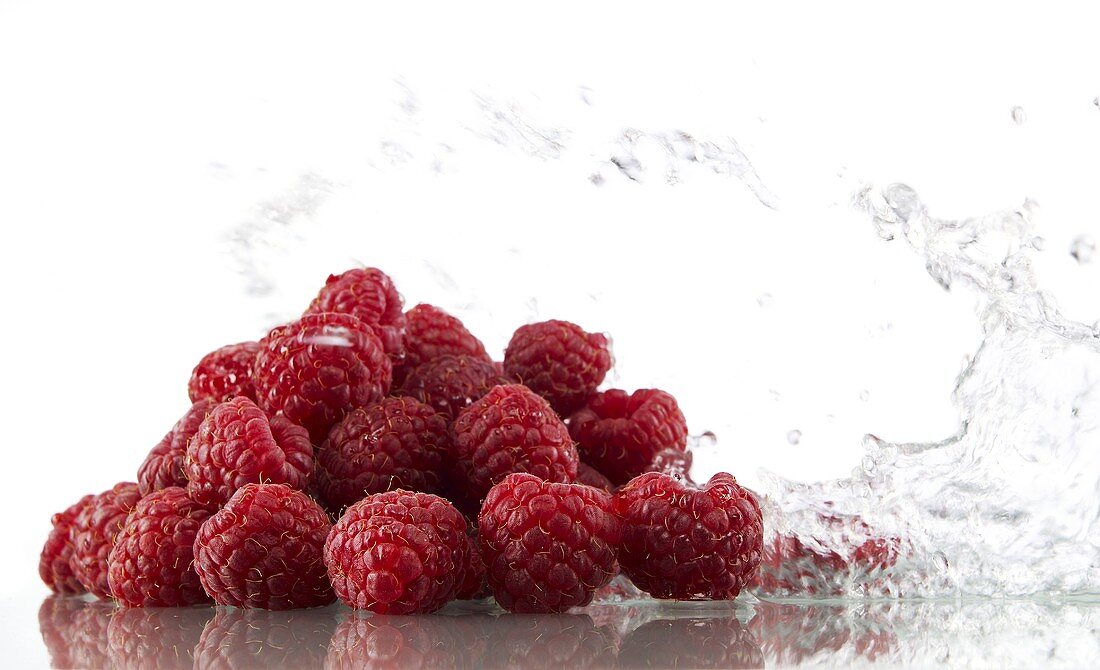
[
  {"x": 397, "y": 443},
  {"x": 621, "y": 434},
  {"x": 264, "y": 550},
  {"x": 319, "y": 368},
  {"x": 547, "y": 546},
  {"x": 399, "y": 552},
  {"x": 686, "y": 543},
  {"x": 237, "y": 444},
  {"x": 559, "y": 361},
  {"x": 510, "y": 429},
  {"x": 151, "y": 562}
]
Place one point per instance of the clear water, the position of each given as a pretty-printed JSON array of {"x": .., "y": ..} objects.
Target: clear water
[{"x": 1009, "y": 504}]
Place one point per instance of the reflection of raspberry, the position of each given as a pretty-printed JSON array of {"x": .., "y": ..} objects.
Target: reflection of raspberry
[
  {"x": 263, "y": 549},
  {"x": 224, "y": 373},
  {"x": 53, "y": 563},
  {"x": 450, "y": 383},
  {"x": 409, "y": 643},
  {"x": 248, "y": 638},
  {"x": 791, "y": 635},
  {"x": 430, "y": 333},
  {"x": 559, "y": 361},
  {"x": 686, "y": 543},
  {"x": 590, "y": 476},
  {"x": 511, "y": 430},
  {"x": 93, "y": 534},
  {"x": 369, "y": 295},
  {"x": 547, "y": 546},
  {"x": 150, "y": 564},
  {"x": 163, "y": 467},
  {"x": 691, "y": 643},
  {"x": 237, "y": 445},
  {"x": 398, "y": 553},
  {"x": 317, "y": 369},
  {"x": 620, "y": 434},
  {"x": 398, "y": 443},
  {"x": 156, "y": 638},
  {"x": 75, "y": 631},
  {"x": 549, "y": 641}
]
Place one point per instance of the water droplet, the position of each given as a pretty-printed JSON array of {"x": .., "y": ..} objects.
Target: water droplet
[
  {"x": 1096, "y": 102},
  {"x": 1037, "y": 243},
  {"x": 765, "y": 300},
  {"x": 1018, "y": 115},
  {"x": 596, "y": 178},
  {"x": 776, "y": 395},
  {"x": 794, "y": 436},
  {"x": 1083, "y": 249},
  {"x": 864, "y": 395}
]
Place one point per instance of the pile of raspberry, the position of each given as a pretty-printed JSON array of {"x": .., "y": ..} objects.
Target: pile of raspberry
[{"x": 382, "y": 457}]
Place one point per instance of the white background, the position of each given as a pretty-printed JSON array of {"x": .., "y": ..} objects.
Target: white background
[{"x": 155, "y": 164}]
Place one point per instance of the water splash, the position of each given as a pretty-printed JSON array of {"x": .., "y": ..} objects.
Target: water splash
[{"x": 1007, "y": 505}]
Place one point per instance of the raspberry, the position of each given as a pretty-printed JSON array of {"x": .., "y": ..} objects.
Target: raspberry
[
  {"x": 263, "y": 549},
  {"x": 248, "y": 638},
  {"x": 224, "y": 373},
  {"x": 155, "y": 637},
  {"x": 53, "y": 564},
  {"x": 396, "y": 443},
  {"x": 398, "y": 552},
  {"x": 430, "y": 333},
  {"x": 714, "y": 642},
  {"x": 474, "y": 585},
  {"x": 621, "y": 435},
  {"x": 237, "y": 445},
  {"x": 547, "y": 546},
  {"x": 450, "y": 383},
  {"x": 590, "y": 476},
  {"x": 559, "y": 361},
  {"x": 317, "y": 369},
  {"x": 509, "y": 430},
  {"x": 369, "y": 295},
  {"x": 689, "y": 543},
  {"x": 150, "y": 564},
  {"x": 93, "y": 534},
  {"x": 75, "y": 631},
  {"x": 163, "y": 467}
]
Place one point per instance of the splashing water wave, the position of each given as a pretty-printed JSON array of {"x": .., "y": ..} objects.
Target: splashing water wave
[{"x": 1009, "y": 505}]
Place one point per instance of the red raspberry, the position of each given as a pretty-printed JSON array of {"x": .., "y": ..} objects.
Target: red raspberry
[
  {"x": 692, "y": 642},
  {"x": 430, "y": 333},
  {"x": 150, "y": 564},
  {"x": 621, "y": 434},
  {"x": 396, "y": 443},
  {"x": 224, "y": 373},
  {"x": 547, "y": 546},
  {"x": 559, "y": 361},
  {"x": 155, "y": 637},
  {"x": 689, "y": 543},
  {"x": 263, "y": 549},
  {"x": 254, "y": 639},
  {"x": 398, "y": 552},
  {"x": 93, "y": 534},
  {"x": 237, "y": 445},
  {"x": 474, "y": 586},
  {"x": 54, "y": 564},
  {"x": 369, "y": 295},
  {"x": 319, "y": 368},
  {"x": 511, "y": 430},
  {"x": 590, "y": 476},
  {"x": 450, "y": 383},
  {"x": 163, "y": 467}
]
